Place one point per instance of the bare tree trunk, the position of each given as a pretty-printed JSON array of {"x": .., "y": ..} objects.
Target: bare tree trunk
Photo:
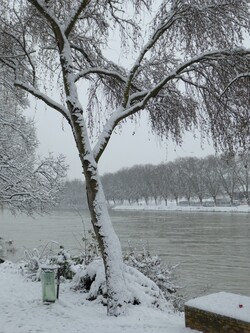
[{"x": 231, "y": 199}]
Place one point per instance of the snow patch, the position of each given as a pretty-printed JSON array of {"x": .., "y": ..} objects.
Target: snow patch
[{"x": 174, "y": 207}]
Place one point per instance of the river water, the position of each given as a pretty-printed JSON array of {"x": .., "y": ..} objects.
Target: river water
[{"x": 212, "y": 249}]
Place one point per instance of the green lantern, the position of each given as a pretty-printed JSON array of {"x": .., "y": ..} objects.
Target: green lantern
[{"x": 48, "y": 274}]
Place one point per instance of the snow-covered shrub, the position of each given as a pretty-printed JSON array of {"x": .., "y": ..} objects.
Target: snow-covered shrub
[
  {"x": 145, "y": 275},
  {"x": 152, "y": 267},
  {"x": 162, "y": 274},
  {"x": 91, "y": 279},
  {"x": 140, "y": 289},
  {"x": 149, "y": 281}
]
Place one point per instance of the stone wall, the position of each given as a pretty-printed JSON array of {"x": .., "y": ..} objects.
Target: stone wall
[{"x": 208, "y": 322}]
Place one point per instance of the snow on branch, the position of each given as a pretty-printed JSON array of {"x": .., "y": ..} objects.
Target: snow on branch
[
  {"x": 27, "y": 183},
  {"x": 100, "y": 71},
  {"x": 21, "y": 55},
  {"x": 208, "y": 56},
  {"x": 47, "y": 100},
  {"x": 106, "y": 134}
]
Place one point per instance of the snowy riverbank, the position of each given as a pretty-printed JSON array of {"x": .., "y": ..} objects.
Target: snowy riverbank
[
  {"x": 22, "y": 311},
  {"x": 174, "y": 207}
]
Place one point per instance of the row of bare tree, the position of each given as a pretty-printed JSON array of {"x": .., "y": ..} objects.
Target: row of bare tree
[{"x": 188, "y": 178}]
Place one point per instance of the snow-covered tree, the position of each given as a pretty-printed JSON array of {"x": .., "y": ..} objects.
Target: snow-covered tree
[
  {"x": 26, "y": 183},
  {"x": 186, "y": 69}
]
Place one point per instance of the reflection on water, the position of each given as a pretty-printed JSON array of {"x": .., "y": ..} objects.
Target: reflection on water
[{"x": 212, "y": 249}]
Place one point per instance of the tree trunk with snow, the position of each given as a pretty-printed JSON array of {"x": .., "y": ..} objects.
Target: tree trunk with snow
[{"x": 107, "y": 239}]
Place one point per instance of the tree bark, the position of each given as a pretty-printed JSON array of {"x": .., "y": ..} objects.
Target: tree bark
[
  {"x": 109, "y": 244},
  {"x": 108, "y": 241}
]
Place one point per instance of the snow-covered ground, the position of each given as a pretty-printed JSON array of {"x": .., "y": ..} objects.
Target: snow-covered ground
[
  {"x": 174, "y": 207},
  {"x": 22, "y": 311}
]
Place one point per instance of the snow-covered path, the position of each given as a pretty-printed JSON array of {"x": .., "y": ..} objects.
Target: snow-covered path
[{"x": 22, "y": 311}]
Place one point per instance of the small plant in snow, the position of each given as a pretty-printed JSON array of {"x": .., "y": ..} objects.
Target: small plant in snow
[
  {"x": 31, "y": 264},
  {"x": 54, "y": 254},
  {"x": 50, "y": 254},
  {"x": 67, "y": 265},
  {"x": 152, "y": 267}
]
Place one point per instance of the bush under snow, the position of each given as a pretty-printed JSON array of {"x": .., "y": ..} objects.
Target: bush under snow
[{"x": 149, "y": 282}]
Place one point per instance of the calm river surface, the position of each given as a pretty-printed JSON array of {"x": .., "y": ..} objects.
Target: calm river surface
[{"x": 212, "y": 249}]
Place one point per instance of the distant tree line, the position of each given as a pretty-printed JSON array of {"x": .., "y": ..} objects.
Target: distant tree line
[{"x": 187, "y": 178}]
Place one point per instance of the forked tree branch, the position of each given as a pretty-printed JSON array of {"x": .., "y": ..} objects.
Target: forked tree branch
[
  {"x": 100, "y": 71},
  {"x": 238, "y": 77},
  {"x": 162, "y": 27}
]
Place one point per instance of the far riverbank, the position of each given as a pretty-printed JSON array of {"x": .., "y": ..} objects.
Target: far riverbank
[{"x": 174, "y": 207}]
